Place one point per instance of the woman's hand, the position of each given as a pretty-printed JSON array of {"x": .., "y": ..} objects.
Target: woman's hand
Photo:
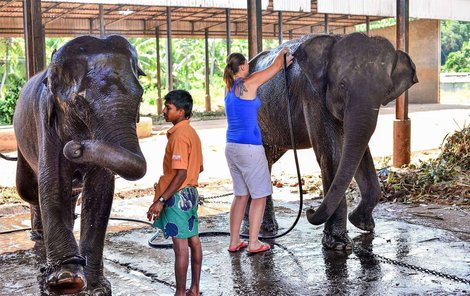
[
  {"x": 279, "y": 59},
  {"x": 155, "y": 210}
]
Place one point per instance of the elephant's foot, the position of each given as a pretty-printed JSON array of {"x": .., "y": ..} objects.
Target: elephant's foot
[
  {"x": 36, "y": 235},
  {"x": 362, "y": 221},
  {"x": 66, "y": 276},
  {"x": 337, "y": 241},
  {"x": 269, "y": 226},
  {"x": 99, "y": 288}
]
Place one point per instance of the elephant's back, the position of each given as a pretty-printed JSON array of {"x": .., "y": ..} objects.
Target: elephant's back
[{"x": 26, "y": 112}]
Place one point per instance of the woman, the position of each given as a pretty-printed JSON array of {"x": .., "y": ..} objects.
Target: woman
[{"x": 244, "y": 150}]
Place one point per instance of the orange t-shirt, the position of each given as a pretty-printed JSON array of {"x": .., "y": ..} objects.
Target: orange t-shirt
[{"x": 183, "y": 151}]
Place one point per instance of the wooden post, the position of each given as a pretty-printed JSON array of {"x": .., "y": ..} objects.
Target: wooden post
[
  {"x": 159, "y": 79},
  {"x": 208, "y": 95},
  {"x": 227, "y": 29},
  {"x": 90, "y": 24},
  {"x": 279, "y": 26},
  {"x": 327, "y": 25},
  {"x": 169, "y": 51},
  {"x": 367, "y": 25},
  {"x": 259, "y": 27},
  {"x": 255, "y": 38},
  {"x": 402, "y": 124},
  {"x": 102, "y": 29},
  {"x": 34, "y": 37}
]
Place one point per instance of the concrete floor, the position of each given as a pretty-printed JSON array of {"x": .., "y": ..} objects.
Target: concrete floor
[{"x": 297, "y": 265}]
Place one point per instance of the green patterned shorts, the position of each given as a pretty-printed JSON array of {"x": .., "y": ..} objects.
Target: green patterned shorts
[{"x": 179, "y": 215}]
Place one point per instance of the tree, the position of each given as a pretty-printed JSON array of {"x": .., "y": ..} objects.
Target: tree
[
  {"x": 458, "y": 61},
  {"x": 453, "y": 36}
]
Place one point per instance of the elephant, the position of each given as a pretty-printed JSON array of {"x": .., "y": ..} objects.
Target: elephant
[
  {"x": 337, "y": 84},
  {"x": 75, "y": 125}
]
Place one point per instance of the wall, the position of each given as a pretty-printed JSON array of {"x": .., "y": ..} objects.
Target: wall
[{"x": 424, "y": 49}]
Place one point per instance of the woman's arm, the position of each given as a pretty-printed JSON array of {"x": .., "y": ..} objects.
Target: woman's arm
[{"x": 248, "y": 87}]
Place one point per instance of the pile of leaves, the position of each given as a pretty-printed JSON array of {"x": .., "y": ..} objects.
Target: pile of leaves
[
  {"x": 444, "y": 179},
  {"x": 8, "y": 195}
]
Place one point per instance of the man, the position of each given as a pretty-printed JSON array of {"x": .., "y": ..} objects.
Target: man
[{"x": 174, "y": 207}]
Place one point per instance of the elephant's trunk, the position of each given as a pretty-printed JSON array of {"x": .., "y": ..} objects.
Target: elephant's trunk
[
  {"x": 127, "y": 164},
  {"x": 359, "y": 125}
]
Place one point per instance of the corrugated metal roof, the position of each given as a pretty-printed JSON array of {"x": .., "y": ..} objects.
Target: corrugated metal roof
[
  {"x": 67, "y": 18},
  {"x": 426, "y": 9}
]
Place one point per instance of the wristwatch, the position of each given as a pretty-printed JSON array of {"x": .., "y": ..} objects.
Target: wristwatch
[{"x": 161, "y": 199}]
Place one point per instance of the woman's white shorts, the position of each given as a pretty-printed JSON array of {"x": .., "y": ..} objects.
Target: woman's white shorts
[{"x": 249, "y": 169}]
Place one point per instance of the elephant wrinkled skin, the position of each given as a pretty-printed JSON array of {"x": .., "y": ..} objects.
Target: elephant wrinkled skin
[
  {"x": 75, "y": 125},
  {"x": 337, "y": 84}
]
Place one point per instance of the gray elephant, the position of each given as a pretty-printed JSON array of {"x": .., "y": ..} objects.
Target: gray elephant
[
  {"x": 75, "y": 124},
  {"x": 337, "y": 84}
]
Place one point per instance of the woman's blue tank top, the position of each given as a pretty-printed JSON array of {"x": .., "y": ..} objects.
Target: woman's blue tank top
[{"x": 242, "y": 119}]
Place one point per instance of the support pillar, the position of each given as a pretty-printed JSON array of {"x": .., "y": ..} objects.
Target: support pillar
[
  {"x": 279, "y": 26},
  {"x": 227, "y": 29},
  {"x": 208, "y": 95},
  {"x": 259, "y": 27},
  {"x": 255, "y": 38},
  {"x": 402, "y": 124},
  {"x": 327, "y": 25},
  {"x": 34, "y": 37},
  {"x": 169, "y": 51},
  {"x": 101, "y": 15},
  {"x": 159, "y": 80},
  {"x": 367, "y": 25}
]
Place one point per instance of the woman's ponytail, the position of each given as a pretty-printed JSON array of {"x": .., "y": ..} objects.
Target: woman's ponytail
[
  {"x": 228, "y": 78},
  {"x": 234, "y": 61}
]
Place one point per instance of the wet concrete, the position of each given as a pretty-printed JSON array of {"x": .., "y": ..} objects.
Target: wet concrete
[{"x": 296, "y": 265}]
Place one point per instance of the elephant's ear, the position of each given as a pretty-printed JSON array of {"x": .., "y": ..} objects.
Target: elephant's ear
[
  {"x": 403, "y": 76},
  {"x": 312, "y": 57},
  {"x": 64, "y": 79}
]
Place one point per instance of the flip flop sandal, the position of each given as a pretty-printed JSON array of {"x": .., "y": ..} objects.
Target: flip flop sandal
[
  {"x": 263, "y": 248},
  {"x": 241, "y": 245}
]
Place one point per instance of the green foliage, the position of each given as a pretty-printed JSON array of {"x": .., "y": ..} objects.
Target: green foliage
[
  {"x": 8, "y": 104},
  {"x": 453, "y": 36},
  {"x": 458, "y": 61},
  {"x": 383, "y": 23},
  {"x": 188, "y": 66}
]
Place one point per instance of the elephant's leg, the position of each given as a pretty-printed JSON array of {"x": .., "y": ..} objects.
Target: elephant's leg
[
  {"x": 335, "y": 235},
  {"x": 97, "y": 198},
  {"x": 369, "y": 186},
  {"x": 64, "y": 271},
  {"x": 326, "y": 137},
  {"x": 27, "y": 187},
  {"x": 269, "y": 224}
]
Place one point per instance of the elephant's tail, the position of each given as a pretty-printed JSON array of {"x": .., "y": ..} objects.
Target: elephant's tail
[{"x": 8, "y": 158}]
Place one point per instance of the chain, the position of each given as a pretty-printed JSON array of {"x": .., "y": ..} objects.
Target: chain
[
  {"x": 208, "y": 199},
  {"x": 215, "y": 196},
  {"x": 414, "y": 267}
]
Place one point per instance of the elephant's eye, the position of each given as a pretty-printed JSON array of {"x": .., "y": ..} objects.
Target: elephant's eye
[{"x": 342, "y": 84}]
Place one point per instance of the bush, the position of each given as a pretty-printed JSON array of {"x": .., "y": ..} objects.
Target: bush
[{"x": 8, "y": 104}]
